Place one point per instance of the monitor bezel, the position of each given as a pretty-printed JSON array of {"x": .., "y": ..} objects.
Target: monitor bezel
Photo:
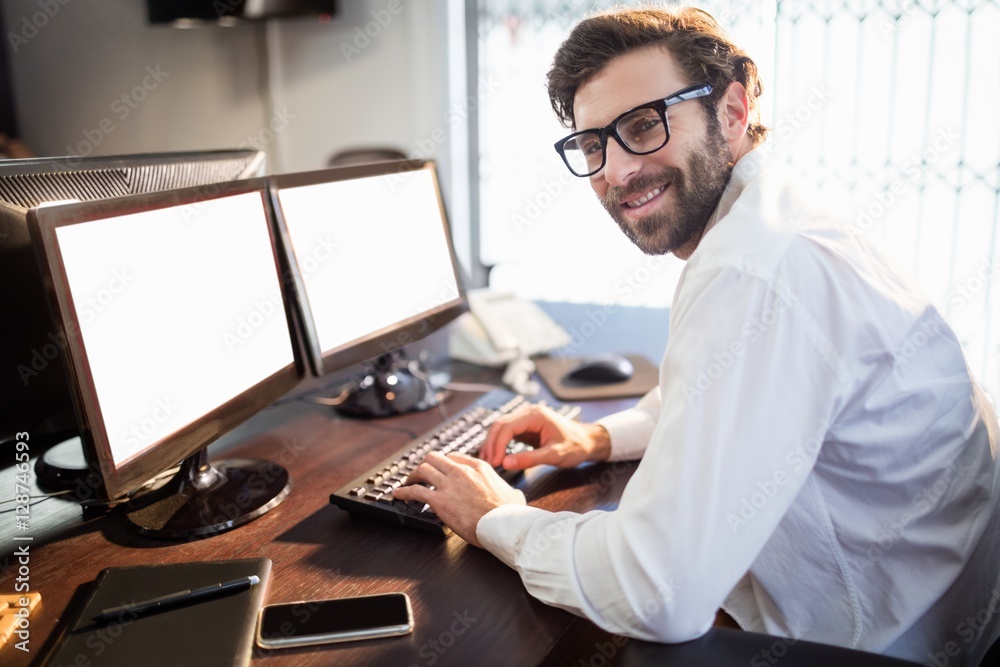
[
  {"x": 391, "y": 338},
  {"x": 131, "y": 474},
  {"x": 34, "y": 388}
]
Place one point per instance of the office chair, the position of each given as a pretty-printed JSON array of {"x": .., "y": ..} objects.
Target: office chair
[
  {"x": 361, "y": 155},
  {"x": 992, "y": 657}
]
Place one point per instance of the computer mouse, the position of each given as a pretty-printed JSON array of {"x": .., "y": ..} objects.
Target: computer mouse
[{"x": 603, "y": 368}]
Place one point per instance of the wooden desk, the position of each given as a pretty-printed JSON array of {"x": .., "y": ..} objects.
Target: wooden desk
[
  {"x": 466, "y": 603},
  {"x": 469, "y": 608}
]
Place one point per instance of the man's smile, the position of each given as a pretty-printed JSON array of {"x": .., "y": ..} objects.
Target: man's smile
[{"x": 639, "y": 201}]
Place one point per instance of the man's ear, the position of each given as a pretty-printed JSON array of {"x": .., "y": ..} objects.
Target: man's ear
[{"x": 734, "y": 113}]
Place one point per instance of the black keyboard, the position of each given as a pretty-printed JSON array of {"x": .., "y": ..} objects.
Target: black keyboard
[{"x": 370, "y": 495}]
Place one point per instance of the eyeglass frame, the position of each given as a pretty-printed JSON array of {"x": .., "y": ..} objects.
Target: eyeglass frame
[{"x": 611, "y": 129}]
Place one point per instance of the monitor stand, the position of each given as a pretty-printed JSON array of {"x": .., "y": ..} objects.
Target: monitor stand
[
  {"x": 390, "y": 388},
  {"x": 203, "y": 499}
]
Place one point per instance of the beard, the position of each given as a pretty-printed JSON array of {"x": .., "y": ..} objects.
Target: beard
[{"x": 697, "y": 189}]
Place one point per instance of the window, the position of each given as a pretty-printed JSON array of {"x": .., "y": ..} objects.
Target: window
[{"x": 890, "y": 105}]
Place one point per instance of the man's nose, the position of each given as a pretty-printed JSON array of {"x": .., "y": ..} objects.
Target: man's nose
[{"x": 619, "y": 164}]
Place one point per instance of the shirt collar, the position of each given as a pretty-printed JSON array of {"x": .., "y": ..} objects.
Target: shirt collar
[{"x": 746, "y": 169}]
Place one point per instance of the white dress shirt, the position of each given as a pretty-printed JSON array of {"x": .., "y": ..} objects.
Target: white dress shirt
[{"x": 816, "y": 459}]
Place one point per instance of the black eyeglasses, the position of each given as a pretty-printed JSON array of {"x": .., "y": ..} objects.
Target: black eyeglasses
[{"x": 640, "y": 131}]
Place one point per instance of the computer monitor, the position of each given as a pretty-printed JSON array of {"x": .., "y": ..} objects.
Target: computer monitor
[
  {"x": 33, "y": 389},
  {"x": 172, "y": 309},
  {"x": 369, "y": 249}
]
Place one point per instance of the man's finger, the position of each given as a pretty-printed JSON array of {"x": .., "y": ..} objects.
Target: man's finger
[
  {"x": 509, "y": 428},
  {"x": 471, "y": 461},
  {"x": 534, "y": 457},
  {"x": 427, "y": 471},
  {"x": 440, "y": 462},
  {"x": 413, "y": 492}
]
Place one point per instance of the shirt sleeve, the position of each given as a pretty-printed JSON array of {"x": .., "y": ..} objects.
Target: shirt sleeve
[
  {"x": 740, "y": 395},
  {"x": 630, "y": 430}
]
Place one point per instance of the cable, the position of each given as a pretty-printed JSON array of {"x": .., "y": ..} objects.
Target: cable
[
  {"x": 41, "y": 498},
  {"x": 339, "y": 399}
]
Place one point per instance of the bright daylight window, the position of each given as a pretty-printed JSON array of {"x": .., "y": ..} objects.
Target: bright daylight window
[{"x": 891, "y": 105}]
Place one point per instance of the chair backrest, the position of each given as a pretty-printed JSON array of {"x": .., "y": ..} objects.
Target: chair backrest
[{"x": 362, "y": 155}]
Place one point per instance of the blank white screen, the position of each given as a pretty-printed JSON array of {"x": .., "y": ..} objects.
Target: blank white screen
[
  {"x": 179, "y": 310},
  {"x": 372, "y": 252}
]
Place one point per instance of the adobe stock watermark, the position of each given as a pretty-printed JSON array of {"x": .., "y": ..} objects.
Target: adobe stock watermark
[
  {"x": 595, "y": 318},
  {"x": 456, "y": 115},
  {"x": 31, "y": 25},
  {"x": 795, "y": 460},
  {"x": 924, "y": 503},
  {"x": 278, "y": 123},
  {"x": 263, "y": 309},
  {"x": 750, "y": 332},
  {"x": 605, "y": 652},
  {"x": 773, "y": 653},
  {"x": 535, "y": 205},
  {"x": 264, "y": 478},
  {"x": 967, "y": 291},
  {"x": 145, "y": 430},
  {"x": 545, "y": 539},
  {"x": 903, "y": 11},
  {"x": 778, "y": 649},
  {"x": 920, "y": 336},
  {"x": 88, "y": 310},
  {"x": 121, "y": 108},
  {"x": 911, "y": 170},
  {"x": 728, "y": 13},
  {"x": 103, "y": 636},
  {"x": 364, "y": 35},
  {"x": 784, "y": 129},
  {"x": 817, "y": 98},
  {"x": 273, "y": 470},
  {"x": 635, "y": 280},
  {"x": 968, "y": 630},
  {"x": 593, "y": 321},
  {"x": 390, "y": 349},
  {"x": 433, "y": 650}
]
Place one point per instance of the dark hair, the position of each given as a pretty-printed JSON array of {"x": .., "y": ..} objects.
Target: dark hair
[{"x": 702, "y": 49}]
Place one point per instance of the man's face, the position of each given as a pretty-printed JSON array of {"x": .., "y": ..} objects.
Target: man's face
[{"x": 664, "y": 200}]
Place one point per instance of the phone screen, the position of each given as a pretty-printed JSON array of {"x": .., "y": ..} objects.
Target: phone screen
[{"x": 321, "y": 621}]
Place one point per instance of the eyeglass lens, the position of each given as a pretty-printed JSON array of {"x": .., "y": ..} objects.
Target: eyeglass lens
[{"x": 642, "y": 131}]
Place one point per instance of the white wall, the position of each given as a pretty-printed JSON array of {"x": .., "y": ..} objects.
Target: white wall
[
  {"x": 70, "y": 74},
  {"x": 375, "y": 74}
]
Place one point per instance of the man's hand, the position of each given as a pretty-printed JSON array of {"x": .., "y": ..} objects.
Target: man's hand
[
  {"x": 558, "y": 441},
  {"x": 465, "y": 489}
]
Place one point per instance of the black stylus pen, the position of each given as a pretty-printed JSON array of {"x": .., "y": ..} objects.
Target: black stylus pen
[{"x": 177, "y": 599}]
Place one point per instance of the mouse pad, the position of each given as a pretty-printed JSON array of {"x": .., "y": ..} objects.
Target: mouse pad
[{"x": 551, "y": 369}]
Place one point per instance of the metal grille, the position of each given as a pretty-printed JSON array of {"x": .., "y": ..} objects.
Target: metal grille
[
  {"x": 152, "y": 178},
  {"x": 25, "y": 190},
  {"x": 890, "y": 105}
]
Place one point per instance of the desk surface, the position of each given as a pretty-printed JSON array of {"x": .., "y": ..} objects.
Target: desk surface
[{"x": 469, "y": 608}]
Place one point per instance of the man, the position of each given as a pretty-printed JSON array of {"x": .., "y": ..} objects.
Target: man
[{"x": 817, "y": 459}]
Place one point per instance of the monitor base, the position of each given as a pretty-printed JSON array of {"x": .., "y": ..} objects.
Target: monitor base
[{"x": 204, "y": 499}]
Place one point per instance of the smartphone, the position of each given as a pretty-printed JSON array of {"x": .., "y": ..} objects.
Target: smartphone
[{"x": 326, "y": 621}]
